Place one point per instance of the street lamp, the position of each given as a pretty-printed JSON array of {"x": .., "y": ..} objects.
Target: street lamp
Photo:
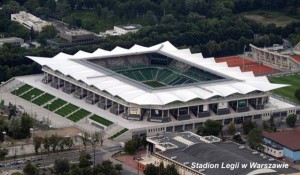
[
  {"x": 31, "y": 132},
  {"x": 31, "y": 104},
  {"x": 4, "y": 133},
  {"x": 48, "y": 111}
]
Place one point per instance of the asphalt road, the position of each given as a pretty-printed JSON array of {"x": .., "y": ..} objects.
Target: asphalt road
[{"x": 72, "y": 156}]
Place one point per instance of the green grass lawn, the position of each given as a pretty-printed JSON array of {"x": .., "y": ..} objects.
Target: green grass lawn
[
  {"x": 287, "y": 92},
  {"x": 101, "y": 120},
  {"x": 268, "y": 17},
  {"x": 55, "y": 104},
  {"x": 21, "y": 89},
  {"x": 66, "y": 110},
  {"x": 119, "y": 133},
  {"x": 154, "y": 84},
  {"x": 78, "y": 115},
  {"x": 43, "y": 99},
  {"x": 36, "y": 92}
]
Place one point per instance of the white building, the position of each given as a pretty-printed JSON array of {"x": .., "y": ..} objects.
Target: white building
[
  {"x": 14, "y": 41},
  {"x": 28, "y": 20},
  {"x": 124, "y": 29}
]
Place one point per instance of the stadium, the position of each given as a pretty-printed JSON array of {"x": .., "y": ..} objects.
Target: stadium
[{"x": 159, "y": 88}]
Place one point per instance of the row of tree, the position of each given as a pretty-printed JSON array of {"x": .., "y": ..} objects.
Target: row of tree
[
  {"x": 52, "y": 143},
  {"x": 64, "y": 167},
  {"x": 17, "y": 125},
  {"x": 133, "y": 8}
]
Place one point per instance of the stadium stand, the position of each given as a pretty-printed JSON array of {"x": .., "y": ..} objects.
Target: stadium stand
[
  {"x": 178, "y": 66},
  {"x": 116, "y": 63},
  {"x": 138, "y": 61},
  {"x": 201, "y": 75}
]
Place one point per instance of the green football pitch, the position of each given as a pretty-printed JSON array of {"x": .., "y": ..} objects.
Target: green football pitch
[{"x": 287, "y": 92}]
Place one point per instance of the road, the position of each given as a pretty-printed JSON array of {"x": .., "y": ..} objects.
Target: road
[{"x": 73, "y": 156}]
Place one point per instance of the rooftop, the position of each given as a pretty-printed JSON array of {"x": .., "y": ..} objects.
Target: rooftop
[
  {"x": 74, "y": 67},
  {"x": 9, "y": 39},
  {"x": 179, "y": 140},
  {"x": 76, "y": 32},
  {"x": 288, "y": 138},
  {"x": 129, "y": 27},
  {"x": 221, "y": 152}
]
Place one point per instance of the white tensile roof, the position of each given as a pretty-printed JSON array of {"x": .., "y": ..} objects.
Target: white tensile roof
[{"x": 241, "y": 82}]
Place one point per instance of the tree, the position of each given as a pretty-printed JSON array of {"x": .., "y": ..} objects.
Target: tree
[
  {"x": 247, "y": 126},
  {"x": 37, "y": 142},
  {"x": 255, "y": 139},
  {"x": 84, "y": 160},
  {"x": 168, "y": 19},
  {"x": 150, "y": 169},
  {"x": 11, "y": 7},
  {"x": 85, "y": 138},
  {"x": 69, "y": 143},
  {"x": 210, "y": 127},
  {"x": 130, "y": 146},
  {"x": 107, "y": 167},
  {"x": 53, "y": 141},
  {"x": 3, "y": 153},
  {"x": 119, "y": 167},
  {"x": 75, "y": 170},
  {"x": 171, "y": 170},
  {"x": 61, "y": 166},
  {"x": 63, "y": 7},
  {"x": 231, "y": 128},
  {"x": 237, "y": 138},
  {"x": 12, "y": 110},
  {"x": 291, "y": 120},
  {"x": 46, "y": 144},
  {"x": 61, "y": 143},
  {"x": 297, "y": 94},
  {"x": 48, "y": 32},
  {"x": 30, "y": 169}
]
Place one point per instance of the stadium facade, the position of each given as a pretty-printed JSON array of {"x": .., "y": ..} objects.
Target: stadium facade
[
  {"x": 274, "y": 58},
  {"x": 160, "y": 84}
]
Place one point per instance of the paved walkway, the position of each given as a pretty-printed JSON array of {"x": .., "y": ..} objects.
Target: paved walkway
[{"x": 35, "y": 81}]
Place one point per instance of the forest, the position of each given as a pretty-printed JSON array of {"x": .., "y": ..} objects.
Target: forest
[{"x": 215, "y": 28}]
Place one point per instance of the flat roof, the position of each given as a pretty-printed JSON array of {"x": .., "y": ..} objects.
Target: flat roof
[
  {"x": 288, "y": 138},
  {"x": 130, "y": 26},
  {"x": 9, "y": 39},
  {"x": 222, "y": 152},
  {"x": 75, "y": 32}
]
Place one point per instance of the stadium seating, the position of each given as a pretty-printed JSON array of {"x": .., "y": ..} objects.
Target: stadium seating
[
  {"x": 201, "y": 75},
  {"x": 116, "y": 63},
  {"x": 138, "y": 61},
  {"x": 178, "y": 66}
]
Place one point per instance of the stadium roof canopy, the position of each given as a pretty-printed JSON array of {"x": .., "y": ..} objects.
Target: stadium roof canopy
[{"x": 238, "y": 83}]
